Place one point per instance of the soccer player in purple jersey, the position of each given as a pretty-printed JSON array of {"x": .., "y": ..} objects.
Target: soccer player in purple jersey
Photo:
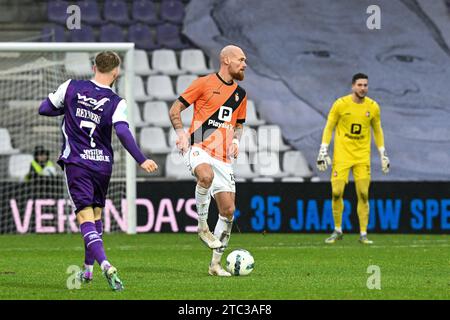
[{"x": 91, "y": 109}]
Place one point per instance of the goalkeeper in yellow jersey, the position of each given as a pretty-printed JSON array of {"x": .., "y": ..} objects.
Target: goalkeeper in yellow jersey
[{"x": 353, "y": 116}]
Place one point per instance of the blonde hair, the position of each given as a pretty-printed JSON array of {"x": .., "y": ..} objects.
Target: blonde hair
[{"x": 106, "y": 61}]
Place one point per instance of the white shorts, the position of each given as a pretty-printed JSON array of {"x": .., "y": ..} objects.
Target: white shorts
[{"x": 223, "y": 172}]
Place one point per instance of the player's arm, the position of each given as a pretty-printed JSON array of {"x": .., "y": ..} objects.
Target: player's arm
[
  {"x": 238, "y": 129},
  {"x": 323, "y": 159},
  {"x": 177, "y": 123},
  {"x": 48, "y": 109},
  {"x": 188, "y": 97},
  {"x": 234, "y": 147},
  {"x": 379, "y": 140},
  {"x": 53, "y": 105},
  {"x": 127, "y": 140}
]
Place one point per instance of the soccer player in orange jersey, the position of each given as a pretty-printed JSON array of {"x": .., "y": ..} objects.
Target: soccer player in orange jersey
[{"x": 212, "y": 142}]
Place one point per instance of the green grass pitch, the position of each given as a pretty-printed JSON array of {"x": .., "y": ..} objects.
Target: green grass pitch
[{"x": 174, "y": 267}]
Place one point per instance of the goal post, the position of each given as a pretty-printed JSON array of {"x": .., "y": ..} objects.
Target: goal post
[{"x": 15, "y": 72}]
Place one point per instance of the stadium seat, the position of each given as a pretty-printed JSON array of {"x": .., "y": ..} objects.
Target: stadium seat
[
  {"x": 211, "y": 64},
  {"x": 175, "y": 167},
  {"x": 138, "y": 122},
  {"x": 263, "y": 180},
  {"x": 295, "y": 164},
  {"x": 169, "y": 37},
  {"x": 153, "y": 140},
  {"x": 78, "y": 63},
  {"x": 248, "y": 140},
  {"x": 193, "y": 61},
  {"x": 19, "y": 165},
  {"x": 141, "y": 64},
  {"x": 145, "y": 11},
  {"x": 53, "y": 33},
  {"x": 165, "y": 62},
  {"x": 242, "y": 168},
  {"x": 5, "y": 143},
  {"x": 293, "y": 179},
  {"x": 90, "y": 13},
  {"x": 267, "y": 164},
  {"x": 85, "y": 34},
  {"x": 138, "y": 89},
  {"x": 187, "y": 115},
  {"x": 156, "y": 113},
  {"x": 161, "y": 88},
  {"x": 111, "y": 33},
  {"x": 172, "y": 11},
  {"x": 251, "y": 117},
  {"x": 270, "y": 139},
  {"x": 116, "y": 11},
  {"x": 142, "y": 36},
  {"x": 183, "y": 82},
  {"x": 56, "y": 11}
]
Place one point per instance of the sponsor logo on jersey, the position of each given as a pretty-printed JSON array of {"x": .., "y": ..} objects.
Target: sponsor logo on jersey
[
  {"x": 91, "y": 102},
  {"x": 214, "y": 123},
  {"x": 356, "y": 137},
  {"x": 356, "y": 128},
  {"x": 225, "y": 114}
]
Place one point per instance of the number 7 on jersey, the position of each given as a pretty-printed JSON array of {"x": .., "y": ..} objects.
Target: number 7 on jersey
[{"x": 89, "y": 125}]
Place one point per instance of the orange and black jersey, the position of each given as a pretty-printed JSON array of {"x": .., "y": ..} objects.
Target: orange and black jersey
[{"x": 218, "y": 106}]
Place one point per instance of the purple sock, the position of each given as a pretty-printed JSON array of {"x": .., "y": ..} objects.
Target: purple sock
[
  {"x": 93, "y": 241},
  {"x": 99, "y": 227},
  {"x": 89, "y": 258}
]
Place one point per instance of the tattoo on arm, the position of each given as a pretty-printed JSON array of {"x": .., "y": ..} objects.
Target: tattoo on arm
[
  {"x": 175, "y": 114},
  {"x": 238, "y": 131}
]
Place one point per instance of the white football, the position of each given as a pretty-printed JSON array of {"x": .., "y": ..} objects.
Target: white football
[{"x": 240, "y": 262}]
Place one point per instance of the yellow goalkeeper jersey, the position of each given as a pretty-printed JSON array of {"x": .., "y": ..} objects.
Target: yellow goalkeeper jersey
[{"x": 353, "y": 122}]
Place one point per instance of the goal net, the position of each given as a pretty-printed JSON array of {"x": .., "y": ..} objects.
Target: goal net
[{"x": 40, "y": 203}]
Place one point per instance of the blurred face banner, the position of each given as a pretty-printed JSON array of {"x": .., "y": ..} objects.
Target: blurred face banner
[{"x": 302, "y": 55}]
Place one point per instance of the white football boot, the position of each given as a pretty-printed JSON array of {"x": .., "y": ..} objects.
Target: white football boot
[
  {"x": 209, "y": 239},
  {"x": 217, "y": 270}
]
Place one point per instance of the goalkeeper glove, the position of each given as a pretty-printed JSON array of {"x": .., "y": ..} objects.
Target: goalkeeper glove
[
  {"x": 385, "y": 163},
  {"x": 323, "y": 160}
]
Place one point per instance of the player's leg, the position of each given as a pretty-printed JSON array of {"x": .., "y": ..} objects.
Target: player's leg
[
  {"x": 199, "y": 162},
  {"x": 98, "y": 220},
  {"x": 362, "y": 192},
  {"x": 81, "y": 184},
  {"x": 224, "y": 191},
  {"x": 362, "y": 183},
  {"x": 226, "y": 205},
  {"x": 205, "y": 175},
  {"x": 339, "y": 178},
  {"x": 87, "y": 274},
  {"x": 81, "y": 191},
  {"x": 101, "y": 184},
  {"x": 92, "y": 240},
  {"x": 337, "y": 203}
]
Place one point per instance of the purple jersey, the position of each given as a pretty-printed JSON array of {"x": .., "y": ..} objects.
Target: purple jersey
[{"x": 90, "y": 111}]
